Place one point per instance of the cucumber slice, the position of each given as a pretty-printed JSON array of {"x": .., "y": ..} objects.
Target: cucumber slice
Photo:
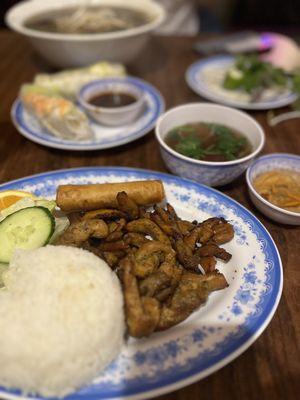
[{"x": 28, "y": 228}]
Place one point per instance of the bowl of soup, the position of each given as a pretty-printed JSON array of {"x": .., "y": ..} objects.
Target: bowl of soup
[
  {"x": 274, "y": 186},
  {"x": 209, "y": 143},
  {"x": 73, "y": 33}
]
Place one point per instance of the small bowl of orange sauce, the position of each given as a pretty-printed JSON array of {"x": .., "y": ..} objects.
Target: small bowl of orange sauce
[{"x": 274, "y": 186}]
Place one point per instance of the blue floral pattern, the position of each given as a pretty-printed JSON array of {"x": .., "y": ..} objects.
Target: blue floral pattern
[
  {"x": 211, "y": 175},
  {"x": 217, "y": 332}
]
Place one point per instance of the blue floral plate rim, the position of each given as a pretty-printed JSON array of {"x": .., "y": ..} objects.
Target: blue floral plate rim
[
  {"x": 236, "y": 345},
  {"x": 45, "y": 139},
  {"x": 202, "y": 90}
]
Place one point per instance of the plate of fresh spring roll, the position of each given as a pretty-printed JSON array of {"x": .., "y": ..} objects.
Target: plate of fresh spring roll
[
  {"x": 200, "y": 278},
  {"x": 47, "y": 112}
]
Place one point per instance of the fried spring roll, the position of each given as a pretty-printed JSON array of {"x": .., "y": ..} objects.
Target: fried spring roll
[{"x": 93, "y": 197}]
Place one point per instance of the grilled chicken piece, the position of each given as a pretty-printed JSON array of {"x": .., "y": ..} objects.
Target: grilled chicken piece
[
  {"x": 113, "y": 258},
  {"x": 192, "y": 291},
  {"x": 79, "y": 232},
  {"x": 208, "y": 263},
  {"x": 148, "y": 227},
  {"x": 142, "y": 313},
  {"x": 212, "y": 249},
  {"x": 116, "y": 230},
  {"x": 149, "y": 256},
  {"x": 185, "y": 227},
  {"x": 171, "y": 211},
  {"x": 154, "y": 284},
  {"x": 117, "y": 225},
  {"x": 223, "y": 232},
  {"x": 113, "y": 246},
  {"x": 106, "y": 214},
  {"x": 127, "y": 205},
  {"x": 135, "y": 239},
  {"x": 200, "y": 234},
  {"x": 185, "y": 256},
  {"x": 169, "y": 229}
]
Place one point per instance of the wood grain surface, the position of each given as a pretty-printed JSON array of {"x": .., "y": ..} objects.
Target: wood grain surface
[{"x": 270, "y": 369}]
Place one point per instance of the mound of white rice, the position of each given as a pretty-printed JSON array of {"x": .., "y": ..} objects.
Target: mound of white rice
[{"x": 61, "y": 320}]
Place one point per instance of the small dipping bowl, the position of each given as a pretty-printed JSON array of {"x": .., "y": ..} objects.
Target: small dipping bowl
[
  {"x": 208, "y": 172},
  {"x": 275, "y": 161},
  {"x": 116, "y": 115}
]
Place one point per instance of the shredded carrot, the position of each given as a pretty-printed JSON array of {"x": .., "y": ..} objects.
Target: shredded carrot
[{"x": 280, "y": 187}]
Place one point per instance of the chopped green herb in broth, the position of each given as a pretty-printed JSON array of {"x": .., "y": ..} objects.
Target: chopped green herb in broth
[{"x": 208, "y": 142}]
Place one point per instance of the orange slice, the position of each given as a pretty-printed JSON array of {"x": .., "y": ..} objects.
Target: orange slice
[{"x": 10, "y": 197}]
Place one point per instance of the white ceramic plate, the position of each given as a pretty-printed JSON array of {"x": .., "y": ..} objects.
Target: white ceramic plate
[
  {"x": 214, "y": 335},
  {"x": 104, "y": 137},
  {"x": 205, "y": 77}
]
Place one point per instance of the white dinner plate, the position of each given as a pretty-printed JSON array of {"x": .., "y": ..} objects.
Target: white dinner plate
[{"x": 214, "y": 335}]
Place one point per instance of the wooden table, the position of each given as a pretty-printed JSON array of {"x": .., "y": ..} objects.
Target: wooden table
[{"x": 270, "y": 369}]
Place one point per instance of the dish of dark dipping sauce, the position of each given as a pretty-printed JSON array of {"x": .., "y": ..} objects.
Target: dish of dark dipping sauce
[
  {"x": 112, "y": 99},
  {"x": 208, "y": 142}
]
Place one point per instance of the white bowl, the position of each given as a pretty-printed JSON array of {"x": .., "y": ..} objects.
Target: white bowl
[
  {"x": 112, "y": 116},
  {"x": 73, "y": 50},
  {"x": 207, "y": 172},
  {"x": 269, "y": 163}
]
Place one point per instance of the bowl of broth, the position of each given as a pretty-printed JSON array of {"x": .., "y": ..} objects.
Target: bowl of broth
[
  {"x": 73, "y": 33},
  {"x": 274, "y": 186},
  {"x": 209, "y": 143},
  {"x": 113, "y": 101}
]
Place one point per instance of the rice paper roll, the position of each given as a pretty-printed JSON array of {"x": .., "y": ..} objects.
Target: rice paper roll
[
  {"x": 58, "y": 115},
  {"x": 97, "y": 196},
  {"x": 68, "y": 82}
]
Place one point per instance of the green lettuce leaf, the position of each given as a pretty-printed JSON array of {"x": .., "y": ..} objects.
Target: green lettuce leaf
[
  {"x": 61, "y": 224},
  {"x": 25, "y": 203}
]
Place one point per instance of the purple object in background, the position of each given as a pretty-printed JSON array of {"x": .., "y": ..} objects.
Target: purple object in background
[
  {"x": 266, "y": 41},
  {"x": 284, "y": 52}
]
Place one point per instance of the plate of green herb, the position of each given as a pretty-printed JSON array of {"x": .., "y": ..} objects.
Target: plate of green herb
[{"x": 244, "y": 82}]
